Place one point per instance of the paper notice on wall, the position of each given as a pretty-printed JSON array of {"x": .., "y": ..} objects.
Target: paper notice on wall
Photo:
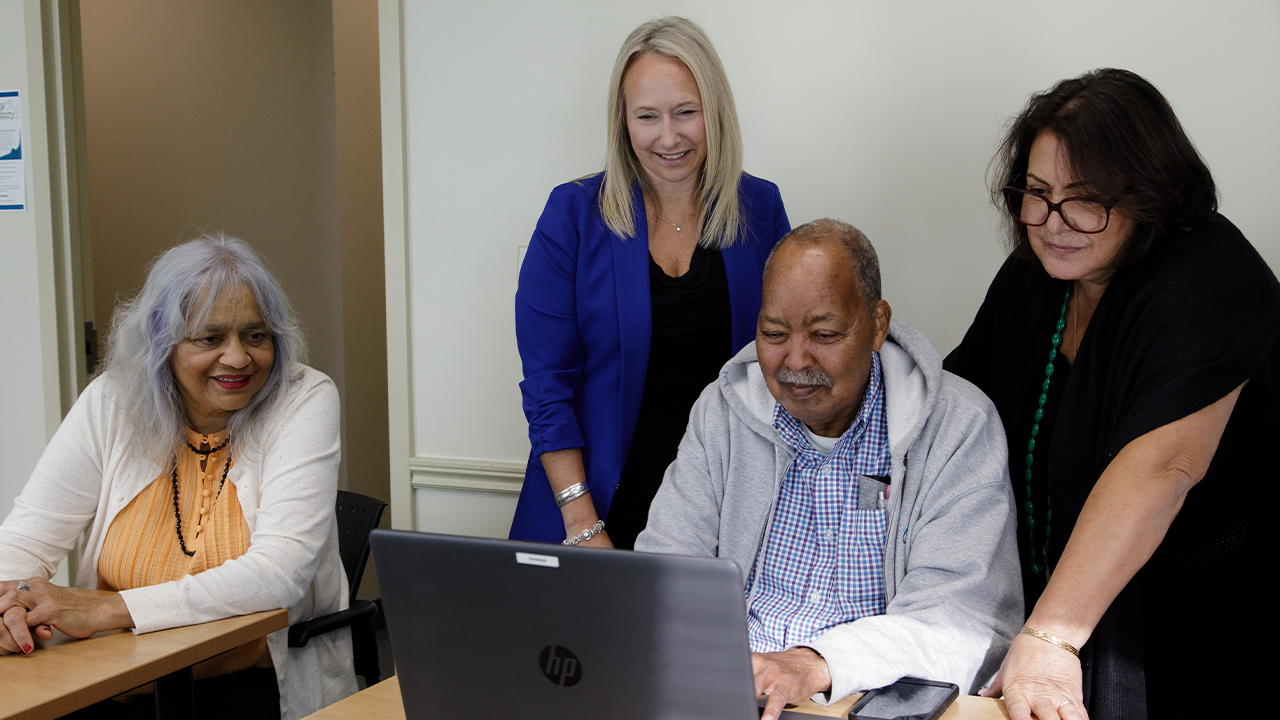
[{"x": 13, "y": 177}]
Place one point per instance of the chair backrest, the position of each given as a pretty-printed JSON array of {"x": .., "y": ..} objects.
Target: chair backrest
[{"x": 358, "y": 515}]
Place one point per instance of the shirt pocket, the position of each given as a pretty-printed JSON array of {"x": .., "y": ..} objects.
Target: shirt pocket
[{"x": 861, "y": 564}]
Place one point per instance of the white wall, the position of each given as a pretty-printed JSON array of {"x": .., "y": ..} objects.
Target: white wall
[
  {"x": 884, "y": 114},
  {"x": 30, "y": 398},
  {"x": 24, "y": 260}
]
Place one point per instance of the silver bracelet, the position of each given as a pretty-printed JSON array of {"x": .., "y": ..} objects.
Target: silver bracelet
[
  {"x": 571, "y": 493},
  {"x": 585, "y": 535}
]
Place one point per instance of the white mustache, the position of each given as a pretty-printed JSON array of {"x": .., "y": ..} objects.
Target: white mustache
[{"x": 803, "y": 377}]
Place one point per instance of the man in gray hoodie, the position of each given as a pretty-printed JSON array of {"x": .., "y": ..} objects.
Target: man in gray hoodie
[{"x": 861, "y": 489}]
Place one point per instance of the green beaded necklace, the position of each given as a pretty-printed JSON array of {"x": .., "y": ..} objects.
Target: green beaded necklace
[{"x": 1038, "y": 567}]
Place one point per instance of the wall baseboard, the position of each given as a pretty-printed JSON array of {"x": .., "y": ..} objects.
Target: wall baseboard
[{"x": 491, "y": 477}]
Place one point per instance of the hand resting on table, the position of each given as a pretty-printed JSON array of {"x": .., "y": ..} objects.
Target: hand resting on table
[{"x": 30, "y": 614}]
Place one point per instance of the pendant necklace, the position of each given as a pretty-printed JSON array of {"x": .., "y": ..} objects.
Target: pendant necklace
[
  {"x": 177, "y": 514},
  {"x": 1041, "y": 566},
  {"x": 674, "y": 225}
]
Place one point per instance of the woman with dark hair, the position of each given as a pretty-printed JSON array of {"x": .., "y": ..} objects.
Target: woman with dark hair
[
  {"x": 1130, "y": 345},
  {"x": 622, "y": 317},
  {"x": 202, "y": 466}
]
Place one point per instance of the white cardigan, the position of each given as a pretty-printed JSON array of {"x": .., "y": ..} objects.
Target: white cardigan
[{"x": 91, "y": 470}]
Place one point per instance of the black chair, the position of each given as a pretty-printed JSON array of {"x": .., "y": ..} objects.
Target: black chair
[{"x": 358, "y": 515}]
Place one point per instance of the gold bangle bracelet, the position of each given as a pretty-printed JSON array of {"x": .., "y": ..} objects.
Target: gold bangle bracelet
[{"x": 1051, "y": 639}]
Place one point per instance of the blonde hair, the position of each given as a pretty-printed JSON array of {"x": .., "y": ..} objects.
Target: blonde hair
[{"x": 720, "y": 213}]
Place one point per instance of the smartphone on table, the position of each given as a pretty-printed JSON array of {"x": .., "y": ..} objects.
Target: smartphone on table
[{"x": 907, "y": 699}]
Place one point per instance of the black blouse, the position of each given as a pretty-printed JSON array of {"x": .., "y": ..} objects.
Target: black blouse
[
  {"x": 691, "y": 341},
  {"x": 1172, "y": 334}
]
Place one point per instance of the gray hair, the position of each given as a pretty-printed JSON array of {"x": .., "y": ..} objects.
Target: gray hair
[
  {"x": 862, "y": 256},
  {"x": 181, "y": 288}
]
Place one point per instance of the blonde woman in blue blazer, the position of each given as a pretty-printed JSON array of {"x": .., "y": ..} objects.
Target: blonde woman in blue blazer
[{"x": 639, "y": 283}]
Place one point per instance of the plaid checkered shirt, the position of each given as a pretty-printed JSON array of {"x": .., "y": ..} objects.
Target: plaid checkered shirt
[{"x": 821, "y": 564}]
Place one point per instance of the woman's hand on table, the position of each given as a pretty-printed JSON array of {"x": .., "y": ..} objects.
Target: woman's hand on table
[
  {"x": 15, "y": 635},
  {"x": 78, "y": 613},
  {"x": 1039, "y": 678}
]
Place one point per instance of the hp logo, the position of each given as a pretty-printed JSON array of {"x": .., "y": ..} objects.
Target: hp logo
[{"x": 560, "y": 666}]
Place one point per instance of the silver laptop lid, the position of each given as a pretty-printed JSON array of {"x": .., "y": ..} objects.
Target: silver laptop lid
[{"x": 497, "y": 628}]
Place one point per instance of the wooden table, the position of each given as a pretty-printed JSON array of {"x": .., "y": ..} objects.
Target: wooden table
[
  {"x": 66, "y": 674},
  {"x": 382, "y": 702}
]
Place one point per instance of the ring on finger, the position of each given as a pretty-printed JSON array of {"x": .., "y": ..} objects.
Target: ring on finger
[
  {"x": 22, "y": 585},
  {"x": 1064, "y": 702}
]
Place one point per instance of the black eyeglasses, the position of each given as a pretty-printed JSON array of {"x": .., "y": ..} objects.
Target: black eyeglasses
[{"x": 1080, "y": 214}]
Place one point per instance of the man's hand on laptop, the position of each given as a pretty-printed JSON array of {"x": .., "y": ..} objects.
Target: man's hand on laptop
[{"x": 789, "y": 678}]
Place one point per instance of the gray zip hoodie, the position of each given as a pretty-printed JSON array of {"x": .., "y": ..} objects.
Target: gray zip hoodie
[{"x": 953, "y": 590}]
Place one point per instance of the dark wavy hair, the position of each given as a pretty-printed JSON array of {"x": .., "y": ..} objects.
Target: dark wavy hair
[{"x": 1125, "y": 144}]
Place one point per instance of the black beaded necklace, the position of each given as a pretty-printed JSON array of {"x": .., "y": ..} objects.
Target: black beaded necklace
[
  {"x": 1038, "y": 567},
  {"x": 178, "y": 513}
]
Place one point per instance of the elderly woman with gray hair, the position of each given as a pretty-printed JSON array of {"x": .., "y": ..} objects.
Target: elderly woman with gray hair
[{"x": 202, "y": 466}]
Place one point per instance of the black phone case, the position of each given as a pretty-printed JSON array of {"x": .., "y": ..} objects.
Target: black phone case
[{"x": 933, "y": 715}]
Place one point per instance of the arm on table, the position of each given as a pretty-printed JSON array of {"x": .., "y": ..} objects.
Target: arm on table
[
  {"x": 78, "y": 613},
  {"x": 1122, "y": 523},
  {"x": 294, "y": 519},
  {"x": 954, "y": 611},
  {"x": 62, "y": 495},
  {"x": 58, "y": 502},
  {"x": 789, "y": 678}
]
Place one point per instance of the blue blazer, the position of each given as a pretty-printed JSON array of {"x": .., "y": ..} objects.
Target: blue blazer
[{"x": 583, "y": 325}]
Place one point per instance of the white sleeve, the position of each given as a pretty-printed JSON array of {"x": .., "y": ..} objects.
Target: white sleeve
[
  {"x": 60, "y": 498},
  {"x": 954, "y": 611},
  {"x": 959, "y": 603}
]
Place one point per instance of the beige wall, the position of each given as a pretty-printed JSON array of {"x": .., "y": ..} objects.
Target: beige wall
[
  {"x": 359, "y": 130},
  {"x": 258, "y": 118},
  {"x": 217, "y": 116}
]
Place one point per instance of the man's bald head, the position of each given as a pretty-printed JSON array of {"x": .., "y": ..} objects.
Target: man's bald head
[{"x": 856, "y": 247}]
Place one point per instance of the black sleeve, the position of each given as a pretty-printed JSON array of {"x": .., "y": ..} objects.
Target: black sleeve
[
  {"x": 1201, "y": 317},
  {"x": 972, "y": 358}
]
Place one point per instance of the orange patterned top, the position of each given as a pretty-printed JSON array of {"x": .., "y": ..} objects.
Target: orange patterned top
[{"x": 141, "y": 546}]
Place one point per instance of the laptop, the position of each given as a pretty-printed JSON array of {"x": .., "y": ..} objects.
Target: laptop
[{"x": 499, "y": 628}]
